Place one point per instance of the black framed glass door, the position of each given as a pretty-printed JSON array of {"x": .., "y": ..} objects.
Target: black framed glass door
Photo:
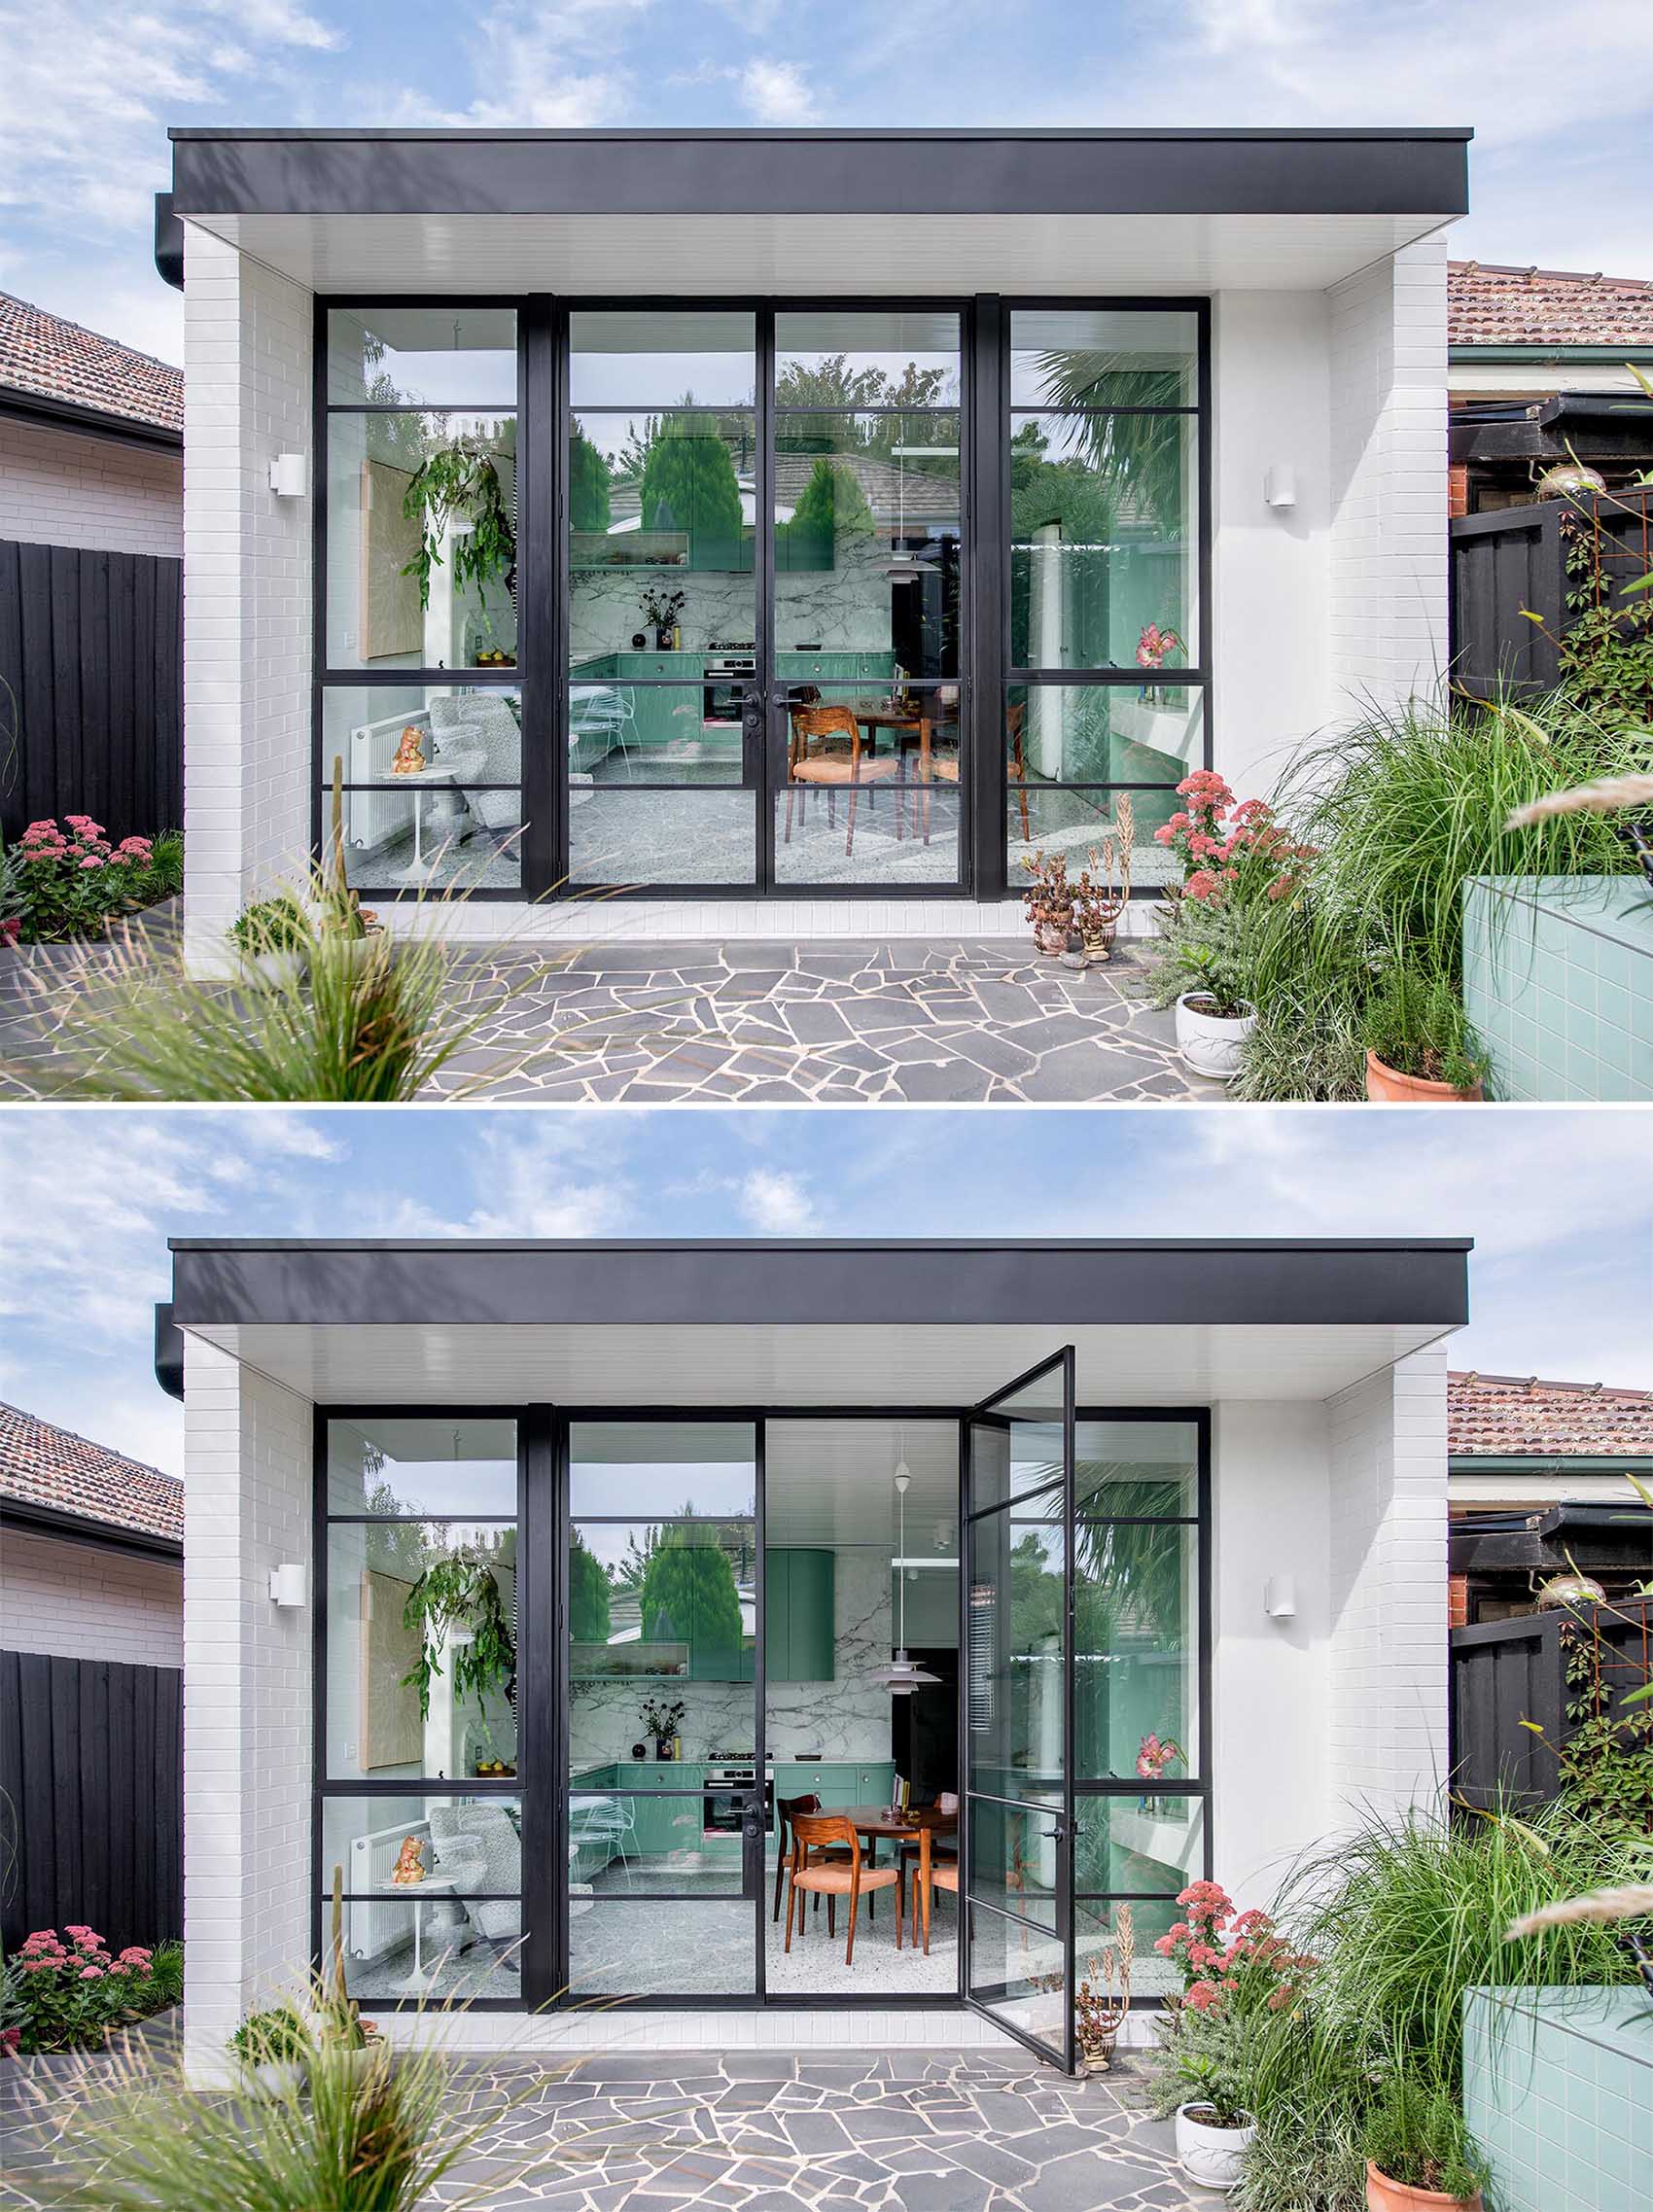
[{"x": 1018, "y": 1699}]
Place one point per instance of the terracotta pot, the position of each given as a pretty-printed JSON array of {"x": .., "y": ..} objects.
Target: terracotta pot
[
  {"x": 1387, "y": 1086},
  {"x": 1210, "y": 2157},
  {"x": 1212, "y": 1044},
  {"x": 1386, "y": 2195}
]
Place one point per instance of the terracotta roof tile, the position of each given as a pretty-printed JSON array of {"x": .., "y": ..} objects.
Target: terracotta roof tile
[
  {"x": 56, "y": 360},
  {"x": 1492, "y": 305},
  {"x": 1504, "y": 1416},
  {"x": 42, "y": 1465}
]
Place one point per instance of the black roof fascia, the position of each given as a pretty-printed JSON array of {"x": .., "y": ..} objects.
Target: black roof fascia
[
  {"x": 25, "y": 1518},
  {"x": 819, "y": 173},
  {"x": 46, "y": 411},
  {"x": 958, "y": 1282}
]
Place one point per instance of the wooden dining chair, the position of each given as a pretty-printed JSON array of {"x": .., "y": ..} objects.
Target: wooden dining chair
[
  {"x": 817, "y": 727},
  {"x": 786, "y": 1808},
  {"x": 944, "y": 769},
  {"x": 947, "y": 1801},
  {"x": 831, "y": 1878},
  {"x": 943, "y": 1874}
]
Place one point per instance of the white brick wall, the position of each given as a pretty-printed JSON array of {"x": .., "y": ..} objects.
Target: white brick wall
[
  {"x": 78, "y": 1602},
  {"x": 1386, "y": 1733},
  {"x": 247, "y": 1502},
  {"x": 59, "y": 487},
  {"x": 246, "y": 589},
  {"x": 1389, "y": 461}
]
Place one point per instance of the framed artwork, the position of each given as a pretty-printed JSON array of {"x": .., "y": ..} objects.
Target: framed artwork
[
  {"x": 393, "y": 1733},
  {"x": 393, "y": 622}
]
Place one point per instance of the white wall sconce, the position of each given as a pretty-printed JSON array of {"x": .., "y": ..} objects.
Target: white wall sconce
[
  {"x": 287, "y": 1585},
  {"x": 1280, "y": 1597},
  {"x": 1280, "y": 485},
  {"x": 289, "y": 476}
]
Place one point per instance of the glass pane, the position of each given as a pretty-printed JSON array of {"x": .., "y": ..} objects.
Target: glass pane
[
  {"x": 1136, "y": 1648},
  {"x": 362, "y": 1838},
  {"x": 623, "y": 838},
  {"x": 454, "y": 356},
  {"x": 1103, "y": 733},
  {"x": 1016, "y": 1642},
  {"x": 644, "y": 359},
  {"x": 385, "y": 1464},
  {"x": 867, "y": 541},
  {"x": 458, "y": 1930},
  {"x": 651, "y": 734},
  {"x": 899, "y": 752},
  {"x": 1043, "y": 820},
  {"x": 1013, "y": 1856},
  {"x": 852, "y": 358},
  {"x": 1104, "y": 568},
  {"x": 619, "y": 1949},
  {"x": 1152, "y": 1844},
  {"x": 700, "y": 1469},
  {"x": 454, "y": 820},
  {"x": 1098, "y": 1925},
  {"x": 670, "y": 1597},
  {"x": 621, "y": 1841},
  {"x": 1018, "y": 1445},
  {"x": 1137, "y": 1467},
  {"x": 1021, "y": 1972},
  {"x": 1103, "y": 357},
  {"x": 421, "y": 570},
  {"x": 421, "y": 1649}
]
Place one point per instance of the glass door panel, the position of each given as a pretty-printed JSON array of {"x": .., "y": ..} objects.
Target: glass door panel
[
  {"x": 666, "y": 1810},
  {"x": 1018, "y": 1709}
]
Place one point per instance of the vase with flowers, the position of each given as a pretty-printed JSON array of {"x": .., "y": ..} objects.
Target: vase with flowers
[
  {"x": 662, "y": 608},
  {"x": 661, "y": 1721}
]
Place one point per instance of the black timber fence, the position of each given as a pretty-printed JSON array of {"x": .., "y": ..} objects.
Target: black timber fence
[
  {"x": 92, "y": 1821},
  {"x": 1551, "y": 561},
  {"x": 92, "y": 712},
  {"x": 1513, "y": 1705}
]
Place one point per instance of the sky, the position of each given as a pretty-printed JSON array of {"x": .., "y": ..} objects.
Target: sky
[
  {"x": 1561, "y": 96},
  {"x": 1561, "y": 1207}
]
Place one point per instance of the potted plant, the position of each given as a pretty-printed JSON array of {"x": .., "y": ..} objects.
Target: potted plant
[
  {"x": 456, "y": 493},
  {"x": 1213, "y": 2125},
  {"x": 1214, "y": 1015},
  {"x": 460, "y": 1592},
  {"x": 1049, "y": 902},
  {"x": 1418, "y": 2153},
  {"x": 1103, "y": 1998},
  {"x": 272, "y": 937},
  {"x": 1419, "y": 1046},
  {"x": 270, "y": 2049},
  {"x": 663, "y": 608},
  {"x": 661, "y": 1722}
]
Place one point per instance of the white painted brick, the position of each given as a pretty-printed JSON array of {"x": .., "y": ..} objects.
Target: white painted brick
[
  {"x": 79, "y": 1603},
  {"x": 59, "y": 487}
]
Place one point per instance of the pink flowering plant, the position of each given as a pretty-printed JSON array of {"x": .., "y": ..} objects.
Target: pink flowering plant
[
  {"x": 68, "y": 1992},
  {"x": 70, "y": 881},
  {"x": 1155, "y": 645},
  {"x": 1154, "y": 1754},
  {"x": 1231, "y": 851},
  {"x": 1234, "y": 1962}
]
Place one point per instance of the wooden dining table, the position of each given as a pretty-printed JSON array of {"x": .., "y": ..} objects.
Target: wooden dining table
[
  {"x": 917, "y": 1826},
  {"x": 875, "y": 715}
]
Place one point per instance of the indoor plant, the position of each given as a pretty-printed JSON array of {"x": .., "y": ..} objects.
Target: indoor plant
[
  {"x": 459, "y": 484},
  {"x": 661, "y": 1721},
  {"x": 272, "y": 2047},
  {"x": 460, "y": 1592},
  {"x": 1419, "y": 1046},
  {"x": 270, "y": 937},
  {"x": 1418, "y": 2149}
]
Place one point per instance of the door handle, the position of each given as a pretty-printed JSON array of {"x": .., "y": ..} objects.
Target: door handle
[{"x": 752, "y": 713}]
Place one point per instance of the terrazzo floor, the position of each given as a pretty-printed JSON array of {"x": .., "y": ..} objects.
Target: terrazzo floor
[
  {"x": 758, "y": 1021},
  {"x": 920, "y": 2132}
]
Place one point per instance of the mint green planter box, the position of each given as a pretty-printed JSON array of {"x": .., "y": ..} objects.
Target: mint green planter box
[
  {"x": 1558, "y": 980},
  {"x": 1558, "y": 2090}
]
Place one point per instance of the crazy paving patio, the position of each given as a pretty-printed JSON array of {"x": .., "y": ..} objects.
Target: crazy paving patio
[{"x": 942, "y": 2132}]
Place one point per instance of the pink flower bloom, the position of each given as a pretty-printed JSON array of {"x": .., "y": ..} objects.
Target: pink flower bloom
[
  {"x": 85, "y": 824},
  {"x": 1202, "y": 884},
  {"x": 93, "y": 860},
  {"x": 1203, "y": 1995},
  {"x": 135, "y": 1954}
]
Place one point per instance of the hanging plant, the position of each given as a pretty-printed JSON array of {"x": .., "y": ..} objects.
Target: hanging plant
[
  {"x": 460, "y": 482},
  {"x": 460, "y": 1592}
]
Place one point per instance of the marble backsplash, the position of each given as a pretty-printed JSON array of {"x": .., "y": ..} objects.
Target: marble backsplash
[
  {"x": 846, "y": 1719},
  {"x": 842, "y": 610}
]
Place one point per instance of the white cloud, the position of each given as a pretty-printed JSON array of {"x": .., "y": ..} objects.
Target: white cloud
[
  {"x": 776, "y": 1204},
  {"x": 776, "y": 91}
]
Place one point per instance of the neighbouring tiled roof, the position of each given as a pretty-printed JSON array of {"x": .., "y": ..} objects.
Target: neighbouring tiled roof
[
  {"x": 1505, "y": 1417},
  {"x": 1492, "y": 305},
  {"x": 53, "y": 358},
  {"x": 42, "y": 1465}
]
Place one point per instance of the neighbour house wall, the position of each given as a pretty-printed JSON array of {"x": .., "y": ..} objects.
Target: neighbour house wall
[
  {"x": 81, "y": 1601},
  {"x": 247, "y": 1508},
  {"x": 246, "y": 590},
  {"x": 63, "y": 487}
]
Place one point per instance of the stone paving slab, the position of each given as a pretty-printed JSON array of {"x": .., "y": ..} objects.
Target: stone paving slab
[{"x": 939, "y": 2131}]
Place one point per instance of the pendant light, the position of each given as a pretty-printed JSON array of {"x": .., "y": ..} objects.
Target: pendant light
[{"x": 903, "y": 1676}]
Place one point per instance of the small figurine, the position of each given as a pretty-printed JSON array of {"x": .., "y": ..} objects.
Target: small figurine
[
  {"x": 410, "y": 1867},
  {"x": 409, "y": 758}
]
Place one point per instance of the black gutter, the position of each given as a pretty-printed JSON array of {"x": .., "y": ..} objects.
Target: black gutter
[
  {"x": 48, "y": 412},
  {"x": 1134, "y": 1282},
  {"x": 26, "y": 1519},
  {"x": 168, "y": 241},
  {"x": 168, "y": 1353},
  {"x": 819, "y": 173}
]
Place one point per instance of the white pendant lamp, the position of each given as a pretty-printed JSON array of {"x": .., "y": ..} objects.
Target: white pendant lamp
[{"x": 903, "y": 1676}]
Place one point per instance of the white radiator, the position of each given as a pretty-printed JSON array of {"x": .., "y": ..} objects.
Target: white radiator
[
  {"x": 373, "y": 818},
  {"x": 375, "y": 1925}
]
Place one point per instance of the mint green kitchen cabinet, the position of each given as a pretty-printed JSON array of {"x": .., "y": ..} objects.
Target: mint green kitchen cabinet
[
  {"x": 873, "y": 1784},
  {"x": 799, "y": 1642}
]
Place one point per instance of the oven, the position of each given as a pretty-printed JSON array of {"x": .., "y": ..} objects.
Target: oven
[
  {"x": 728, "y": 675},
  {"x": 726, "y": 1792}
]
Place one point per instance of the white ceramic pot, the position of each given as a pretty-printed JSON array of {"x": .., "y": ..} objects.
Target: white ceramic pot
[
  {"x": 1211, "y": 1043},
  {"x": 278, "y": 972},
  {"x": 1210, "y": 2157},
  {"x": 276, "y": 2079}
]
